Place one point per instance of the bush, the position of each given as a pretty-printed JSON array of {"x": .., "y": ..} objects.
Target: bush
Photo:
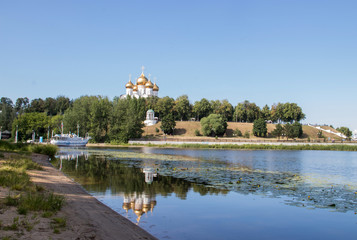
[
  {"x": 41, "y": 202},
  {"x": 157, "y": 130},
  {"x": 47, "y": 149},
  {"x": 246, "y": 134},
  {"x": 197, "y": 132},
  {"x": 237, "y": 132},
  {"x": 213, "y": 125},
  {"x": 168, "y": 124}
]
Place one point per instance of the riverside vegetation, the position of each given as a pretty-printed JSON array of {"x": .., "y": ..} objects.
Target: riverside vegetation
[
  {"x": 32, "y": 202},
  {"x": 122, "y": 119}
]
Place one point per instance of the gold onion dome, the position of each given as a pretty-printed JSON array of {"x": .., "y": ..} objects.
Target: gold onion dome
[
  {"x": 155, "y": 88},
  {"x": 129, "y": 84},
  {"x": 149, "y": 84},
  {"x": 142, "y": 80},
  {"x": 135, "y": 88}
]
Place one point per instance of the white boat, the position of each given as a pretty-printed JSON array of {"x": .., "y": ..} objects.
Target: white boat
[{"x": 69, "y": 140}]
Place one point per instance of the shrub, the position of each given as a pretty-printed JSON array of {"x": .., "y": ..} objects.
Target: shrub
[
  {"x": 47, "y": 149},
  {"x": 197, "y": 132},
  {"x": 41, "y": 202},
  {"x": 157, "y": 130},
  {"x": 213, "y": 125},
  {"x": 237, "y": 132},
  {"x": 246, "y": 134}
]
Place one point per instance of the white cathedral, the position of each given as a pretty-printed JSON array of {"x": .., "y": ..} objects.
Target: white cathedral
[{"x": 142, "y": 88}]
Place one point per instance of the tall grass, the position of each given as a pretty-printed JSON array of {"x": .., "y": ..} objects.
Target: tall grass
[{"x": 47, "y": 149}]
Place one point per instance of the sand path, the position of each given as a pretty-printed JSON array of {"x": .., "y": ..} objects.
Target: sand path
[{"x": 86, "y": 216}]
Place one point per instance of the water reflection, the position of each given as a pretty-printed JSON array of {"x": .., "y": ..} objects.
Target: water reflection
[{"x": 153, "y": 185}]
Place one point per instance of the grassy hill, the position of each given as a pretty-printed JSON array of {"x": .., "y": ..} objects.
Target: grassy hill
[{"x": 186, "y": 129}]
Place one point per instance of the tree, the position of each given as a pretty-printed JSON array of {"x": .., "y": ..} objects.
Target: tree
[
  {"x": 260, "y": 128},
  {"x": 164, "y": 106},
  {"x": 202, "y": 108},
  {"x": 31, "y": 122},
  {"x": 213, "y": 125},
  {"x": 99, "y": 118},
  {"x": 37, "y": 105},
  {"x": 183, "y": 108},
  {"x": 7, "y": 113},
  {"x": 345, "y": 131},
  {"x": 240, "y": 113},
  {"x": 126, "y": 120},
  {"x": 297, "y": 129},
  {"x": 278, "y": 131},
  {"x": 168, "y": 124},
  {"x": 288, "y": 131},
  {"x": 21, "y": 105},
  {"x": 62, "y": 104},
  {"x": 50, "y": 106},
  {"x": 246, "y": 112},
  {"x": 265, "y": 113}
]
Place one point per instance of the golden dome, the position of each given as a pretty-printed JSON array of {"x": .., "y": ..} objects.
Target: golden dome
[
  {"x": 142, "y": 80},
  {"x": 135, "y": 88},
  {"x": 129, "y": 84},
  {"x": 149, "y": 84},
  {"x": 155, "y": 88}
]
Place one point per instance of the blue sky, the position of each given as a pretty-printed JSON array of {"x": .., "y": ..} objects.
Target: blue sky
[{"x": 265, "y": 51}]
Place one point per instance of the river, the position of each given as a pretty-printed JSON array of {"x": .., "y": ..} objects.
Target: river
[{"x": 223, "y": 194}]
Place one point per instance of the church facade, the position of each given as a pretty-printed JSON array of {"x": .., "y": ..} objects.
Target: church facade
[{"x": 142, "y": 88}]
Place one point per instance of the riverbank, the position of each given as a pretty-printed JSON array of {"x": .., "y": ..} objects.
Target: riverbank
[
  {"x": 85, "y": 217},
  {"x": 251, "y": 145}
]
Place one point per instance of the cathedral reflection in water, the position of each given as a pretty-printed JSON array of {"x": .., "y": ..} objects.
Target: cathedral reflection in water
[{"x": 141, "y": 203}]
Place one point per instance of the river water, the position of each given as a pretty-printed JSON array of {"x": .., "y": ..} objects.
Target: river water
[{"x": 223, "y": 194}]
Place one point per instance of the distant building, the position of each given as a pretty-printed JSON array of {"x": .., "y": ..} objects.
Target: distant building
[{"x": 142, "y": 88}]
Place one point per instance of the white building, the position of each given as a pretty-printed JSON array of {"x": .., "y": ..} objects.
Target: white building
[
  {"x": 142, "y": 88},
  {"x": 150, "y": 118}
]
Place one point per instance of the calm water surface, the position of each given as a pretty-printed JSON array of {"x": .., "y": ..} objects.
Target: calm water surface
[{"x": 223, "y": 194}]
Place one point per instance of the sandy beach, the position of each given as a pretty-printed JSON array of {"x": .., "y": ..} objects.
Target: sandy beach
[{"x": 86, "y": 217}]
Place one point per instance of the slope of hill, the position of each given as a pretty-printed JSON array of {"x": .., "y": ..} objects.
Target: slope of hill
[{"x": 187, "y": 129}]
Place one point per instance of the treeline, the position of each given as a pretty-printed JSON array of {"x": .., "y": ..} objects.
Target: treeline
[{"x": 121, "y": 119}]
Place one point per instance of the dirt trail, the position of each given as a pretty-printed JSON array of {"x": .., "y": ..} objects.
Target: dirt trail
[{"x": 86, "y": 216}]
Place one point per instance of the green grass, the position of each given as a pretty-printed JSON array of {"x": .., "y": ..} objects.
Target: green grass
[
  {"x": 41, "y": 202},
  {"x": 49, "y": 150},
  {"x": 46, "y": 149}
]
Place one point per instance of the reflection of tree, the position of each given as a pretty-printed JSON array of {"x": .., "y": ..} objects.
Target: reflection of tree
[{"x": 100, "y": 174}]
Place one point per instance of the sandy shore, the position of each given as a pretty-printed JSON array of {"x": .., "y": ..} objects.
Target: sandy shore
[{"x": 86, "y": 217}]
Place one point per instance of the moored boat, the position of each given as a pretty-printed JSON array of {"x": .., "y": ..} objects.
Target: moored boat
[{"x": 69, "y": 140}]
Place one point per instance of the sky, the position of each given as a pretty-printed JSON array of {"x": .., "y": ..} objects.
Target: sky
[{"x": 263, "y": 51}]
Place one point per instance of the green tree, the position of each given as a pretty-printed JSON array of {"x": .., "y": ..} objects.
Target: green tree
[
  {"x": 79, "y": 113},
  {"x": 288, "y": 131},
  {"x": 37, "y": 105},
  {"x": 50, "y": 106},
  {"x": 297, "y": 129},
  {"x": 265, "y": 113},
  {"x": 240, "y": 113},
  {"x": 183, "y": 108},
  {"x": 21, "y": 105},
  {"x": 202, "y": 108},
  {"x": 345, "y": 131},
  {"x": 168, "y": 124},
  {"x": 278, "y": 131},
  {"x": 213, "y": 125},
  {"x": 31, "y": 122},
  {"x": 7, "y": 113},
  {"x": 223, "y": 108},
  {"x": 62, "y": 104},
  {"x": 164, "y": 106},
  {"x": 99, "y": 119},
  {"x": 260, "y": 128}
]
